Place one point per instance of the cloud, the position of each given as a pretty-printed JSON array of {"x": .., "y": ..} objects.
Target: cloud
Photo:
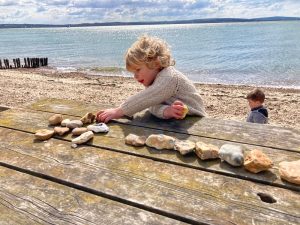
[
  {"x": 7, "y": 3},
  {"x": 84, "y": 11}
]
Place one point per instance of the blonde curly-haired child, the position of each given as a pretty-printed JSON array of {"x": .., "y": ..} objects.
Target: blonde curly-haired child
[{"x": 168, "y": 92}]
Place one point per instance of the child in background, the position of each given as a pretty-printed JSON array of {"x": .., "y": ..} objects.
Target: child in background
[
  {"x": 167, "y": 91},
  {"x": 258, "y": 114}
]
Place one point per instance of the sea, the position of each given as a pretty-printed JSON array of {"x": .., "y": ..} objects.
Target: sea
[{"x": 251, "y": 53}]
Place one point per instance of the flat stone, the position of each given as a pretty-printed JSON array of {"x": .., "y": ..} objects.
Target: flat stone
[
  {"x": 184, "y": 146},
  {"x": 61, "y": 130},
  {"x": 290, "y": 171},
  {"x": 43, "y": 134},
  {"x": 98, "y": 128},
  {"x": 206, "y": 151},
  {"x": 74, "y": 123},
  {"x": 232, "y": 154},
  {"x": 83, "y": 138},
  {"x": 135, "y": 140},
  {"x": 65, "y": 122},
  {"x": 160, "y": 141},
  {"x": 55, "y": 119},
  {"x": 256, "y": 161},
  {"x": 88, "y": 118},
  {"x": 79, "y": 130}
]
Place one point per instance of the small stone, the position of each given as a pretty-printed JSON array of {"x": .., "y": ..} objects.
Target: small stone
[
  {"x": 185, "y": 111},
  {"x": 184, "y": 147},
  {"x": 98, "y": 128},
  {"x": 74, "y": 123},
  {"x": 43, "y": 134},
  {"x": 135, "y": 140},
  {"x": 79, "y": 130},
  {"x": 88, "y": 118},
  {"x": 206, "y": 151},
  {"x": 64, "y": 122},
  {"x": 256, "y": 161},
  {"x": 232, "y": 154},
  {"x": 61, "y": 130},
  {"x": 74, "y": 145},
  {"x": 55, "y": 119},
  {"x": 290, "y": 171},
  {"x": 160, "y": 141},
  {"x": 83, "y": 137}
]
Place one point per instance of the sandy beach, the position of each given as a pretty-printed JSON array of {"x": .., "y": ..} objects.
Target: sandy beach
[{"x": 19, "y": 87}]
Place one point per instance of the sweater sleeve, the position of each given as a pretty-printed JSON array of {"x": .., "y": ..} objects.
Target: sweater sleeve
[
  {"x": 164, "y": 86},
  {"x": 158, "y": 110}
]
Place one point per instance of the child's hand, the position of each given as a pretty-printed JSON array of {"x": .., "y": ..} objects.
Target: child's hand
[
  {"x": 176, "y": 110},
  {"x": 109, "y": 114}
]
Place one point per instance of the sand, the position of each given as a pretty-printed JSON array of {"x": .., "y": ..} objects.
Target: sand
[{"x": 23, "y": 86}]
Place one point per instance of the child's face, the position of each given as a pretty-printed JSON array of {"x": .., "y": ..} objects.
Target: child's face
[
  {"x": 254, "y": 104},
  {"x": 143, "y": 74}
]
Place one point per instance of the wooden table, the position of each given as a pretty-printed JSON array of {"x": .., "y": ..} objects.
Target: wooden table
[{"x": 108, "y": 182}]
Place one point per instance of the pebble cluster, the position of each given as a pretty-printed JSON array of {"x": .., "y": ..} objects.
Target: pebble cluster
[
  {"x": 254, "y": 161},
  {"x": 63, "y": 126}
]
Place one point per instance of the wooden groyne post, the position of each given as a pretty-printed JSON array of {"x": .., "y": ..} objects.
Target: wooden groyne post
[{"x": 28, "y": 63}]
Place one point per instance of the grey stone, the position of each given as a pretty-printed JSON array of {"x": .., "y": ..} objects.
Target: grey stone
[{"x": 232, "y": 154}]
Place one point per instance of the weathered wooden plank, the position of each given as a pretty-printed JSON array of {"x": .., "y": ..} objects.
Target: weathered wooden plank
[
  {"x": 30, "y": 121},
  {"x": 242, "y": 132},
  {"x": 191, "y": 195},
  {"x": 25, "y": 199}
]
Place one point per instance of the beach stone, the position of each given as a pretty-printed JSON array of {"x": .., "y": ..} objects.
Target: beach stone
[
  {"x": 232, "y": 154},
  {"x": 185, "y": 111},
  {"x": 290, "y": 171},
  {"x": 43, "y": 134},
  {"x": 79, "y": 130},
  {"x": 256, "y": 161},
  {"x": 135, "y": 140},
  {"x": 206, "y": 151},
  {"x": 61, "y": 130},
  {"x": 83, "y": 138},
  {"x": 98, "y": 128},
  {"x": 74, "y": 145},
  {"x": 88, "y": 118},
  {"x": 64, "y": 122},
  {"x": 74, "y": 123},
  {"x": 184, "y": 147},
  {"x": 160, "y": 141},
  {"x": 55, "y": 119}
]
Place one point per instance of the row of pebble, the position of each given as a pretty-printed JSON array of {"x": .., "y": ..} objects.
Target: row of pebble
[{"x": 255, "y": 161}]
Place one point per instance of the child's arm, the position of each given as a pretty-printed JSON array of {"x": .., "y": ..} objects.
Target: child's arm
[{"x": 163, "y": 88}]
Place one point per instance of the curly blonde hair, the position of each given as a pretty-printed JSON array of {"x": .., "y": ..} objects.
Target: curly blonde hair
[{"x": 152, "y": 51}]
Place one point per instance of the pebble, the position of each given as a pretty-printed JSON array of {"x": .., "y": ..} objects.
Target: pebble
[{"x": 232, "y": 154}]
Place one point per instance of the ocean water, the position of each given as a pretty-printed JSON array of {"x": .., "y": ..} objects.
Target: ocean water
[{"x": 263, "y": 53}]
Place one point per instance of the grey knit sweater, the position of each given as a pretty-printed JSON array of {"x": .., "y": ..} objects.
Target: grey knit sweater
[{"x": 169, "y": 85}]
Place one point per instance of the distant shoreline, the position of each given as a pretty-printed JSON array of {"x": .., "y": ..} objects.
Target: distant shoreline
[{"x": 194, "y": 21}]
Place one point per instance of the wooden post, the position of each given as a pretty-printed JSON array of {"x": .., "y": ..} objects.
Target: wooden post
[
  {"x": 28, "y": 62},
  {"x": 6, "y": 64},
  {"x": 0, "y": 64},
  {"x": 15, "y": 64}
]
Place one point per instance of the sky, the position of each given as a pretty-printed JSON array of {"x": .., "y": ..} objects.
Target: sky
[{"x": 90, "y": 11}]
